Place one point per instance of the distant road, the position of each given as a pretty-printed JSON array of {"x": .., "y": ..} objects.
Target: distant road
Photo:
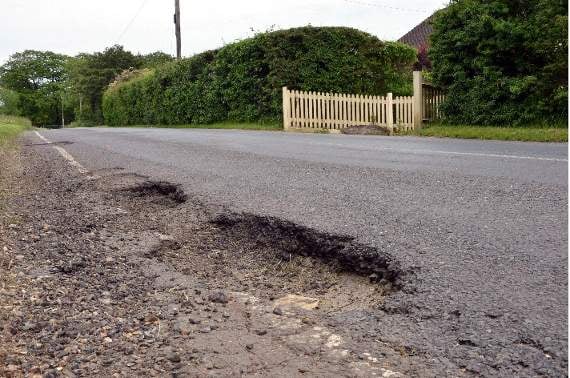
[{"x": 482, "y": 224}]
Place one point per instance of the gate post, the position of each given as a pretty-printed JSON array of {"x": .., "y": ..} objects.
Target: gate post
[
  {"x": 390, "y": 113},
  {"x": 286, "y": 109},
  {"x": 418, "y": 100}
]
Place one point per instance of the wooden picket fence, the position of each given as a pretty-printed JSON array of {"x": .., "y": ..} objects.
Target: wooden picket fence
[
  {"x": 335, "y": 111},
  {"x": 431, "y": 98}
]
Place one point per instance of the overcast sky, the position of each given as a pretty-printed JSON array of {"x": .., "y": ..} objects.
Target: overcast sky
[{"x": 73, "y": 26}]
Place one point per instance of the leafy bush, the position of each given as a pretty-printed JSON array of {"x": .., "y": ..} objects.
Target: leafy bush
[
  {"x": 504, "y": 62},
  {"x": 242, "y": 81},
  {"x": 9, "y": 102}
]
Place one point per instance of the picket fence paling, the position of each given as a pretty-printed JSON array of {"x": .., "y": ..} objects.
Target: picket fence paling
[
  {"x": 335, "y": 111},
  {"x": 432, "y": 98}
]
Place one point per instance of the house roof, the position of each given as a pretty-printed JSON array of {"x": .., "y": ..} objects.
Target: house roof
[{"x": 419, "y": 36}]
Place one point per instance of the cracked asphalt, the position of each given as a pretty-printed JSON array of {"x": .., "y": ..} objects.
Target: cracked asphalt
[{"x": 480, "y": 227}]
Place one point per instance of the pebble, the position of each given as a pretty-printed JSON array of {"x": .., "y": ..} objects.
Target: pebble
[
  {"x": 218, "y": 297},
  {"x": 106, "y": 301},
  {"x": 194, "y": 321},
  {"x": 182, "y": 328},
  {"x": 260, "y": 332},
  {"x": 29, "y": 326},
  {"x": 278, "y": 311},
  {"x": 173, "y": 357}
]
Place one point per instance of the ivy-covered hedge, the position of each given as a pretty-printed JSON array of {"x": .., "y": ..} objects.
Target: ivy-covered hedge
[
  {"x": 242, "y": 81},
  {"x": 503, "y": 62}
]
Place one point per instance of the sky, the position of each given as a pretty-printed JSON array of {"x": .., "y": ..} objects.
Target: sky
[{"x": 143, "y": 26}]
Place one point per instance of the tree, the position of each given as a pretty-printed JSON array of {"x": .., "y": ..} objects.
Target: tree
[
  {"x": 502, "y": 61},
  {"x": 37, "y": 77},
  {"x": 89, "y": 75}
]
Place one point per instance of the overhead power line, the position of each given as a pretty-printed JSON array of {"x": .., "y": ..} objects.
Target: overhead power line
[
  {"x": 376, "y": 5},
  {"x": 139, "y": 10}
]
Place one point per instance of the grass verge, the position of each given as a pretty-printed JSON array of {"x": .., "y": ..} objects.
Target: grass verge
[
  {"x": 10, "y": 128},
  {"x": 222, "y": 126},
  {"x": 525, "y": 134}
]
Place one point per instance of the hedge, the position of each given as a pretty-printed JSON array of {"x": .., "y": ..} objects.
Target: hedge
[
  {"x": 502, "y": 62},
  {"x": 242, "y": 81}
]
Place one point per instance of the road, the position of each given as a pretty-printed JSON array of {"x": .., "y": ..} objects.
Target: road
[{"x": 480, "y": 226}]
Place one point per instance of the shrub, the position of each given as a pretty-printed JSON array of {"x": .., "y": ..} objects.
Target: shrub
[
  {"x": 9, "y": 102},
  {"x": 503, "y": 62},
  {"x": 242, "y": 81}
]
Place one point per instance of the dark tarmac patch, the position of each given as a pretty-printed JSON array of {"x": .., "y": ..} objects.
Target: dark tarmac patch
[
  {"x": 60, "y": 143},
  {"x": 158, "y": 191}
]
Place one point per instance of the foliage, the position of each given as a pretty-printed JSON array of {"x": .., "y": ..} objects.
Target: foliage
[
  {"x": 423, "y": 63},
  {"x": 14, "y": 120},
  {"x": 37, "y": 77},
  {"x": 242, "y": 81},
  {"x": 10, "y": 128},
  {"x": 502, "y": 61},
  {"x": 89, "y": 75},
  {"x": 9, "y": 102},
  {"x": 155, "y": 59}
]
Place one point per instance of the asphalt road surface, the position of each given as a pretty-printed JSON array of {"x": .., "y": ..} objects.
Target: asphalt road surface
[{"x": 479, "y": 226}]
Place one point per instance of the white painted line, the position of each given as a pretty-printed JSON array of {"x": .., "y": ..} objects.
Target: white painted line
[
  {"x": 66, "y": 155},
  {"x": 436, "y": 152},
  {"x": 498, "y": 156}
]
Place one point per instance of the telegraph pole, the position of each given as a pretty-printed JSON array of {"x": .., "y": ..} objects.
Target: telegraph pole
[{"x": 177, "y": 26}]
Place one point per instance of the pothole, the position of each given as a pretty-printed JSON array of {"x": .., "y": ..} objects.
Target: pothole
[
  {"x": 158, "y": 191},
  {"x": 267, "y": 257},
  {"x": 290, "y": 240},
  {"x": 272, "y": 258}
]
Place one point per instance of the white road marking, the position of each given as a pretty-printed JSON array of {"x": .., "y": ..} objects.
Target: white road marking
[
  {"x": 427, "y": 152},
  {"x": 66, "y": 155},
  {"x": 494, "y": 155}
]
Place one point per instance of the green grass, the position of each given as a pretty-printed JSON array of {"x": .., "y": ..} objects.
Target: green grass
[
  {"x": 11, "y": 127},
  {"x": 223, "y": 126},
  {"x": 525, "y": 134}
]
